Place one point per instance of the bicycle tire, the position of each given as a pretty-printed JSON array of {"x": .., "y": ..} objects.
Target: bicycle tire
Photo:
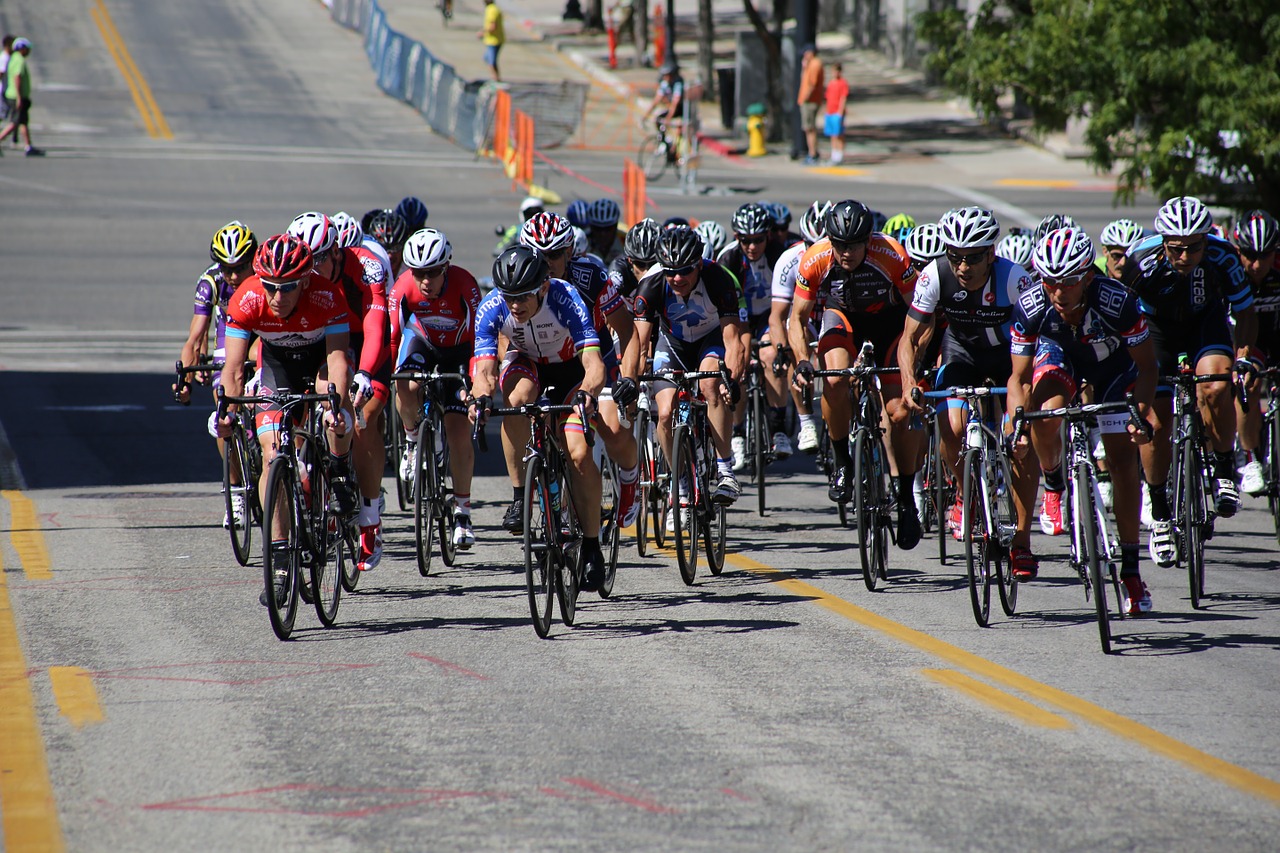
[
  {"x": 760, "y": 437},
  {"x": 644, "y": 485},
  {"x": 569, "y": 565},
  {"x": 236, "y": 458},
  {"x": 652, "y": 157},
  {"x": 424, "y": 517},
  {"x": 1089, "y": 533},
  {"x": 659, "y": 494},
  {"x": 445, "y": 508},
  {"x": 867, "y": 499},
  {"x": 609, "y": 535},
  {"x": 684, "y": 469},
  {"x": 1194, "y": 517},
  {"x": 281, "y": 488},
  {"x": 715, "y": 534},
  {"x": 1273, "y": 468},
  {"x": 539, "y": 549},
  {"x": 939, "y": 496},
  {"x": 327, "y": 568},
  {"x": 1006, "y": 518},
  {"x": 976, "y": 527}
]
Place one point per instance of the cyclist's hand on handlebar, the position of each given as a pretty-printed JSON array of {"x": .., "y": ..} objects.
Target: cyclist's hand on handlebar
[
  {"x": 730, "y": 392},
  {"x": 586, "y": 403},
  {"x": 911, "y": 403},
  {"x": 781, "y": 359},
  {"x": 361, "y": 388},
  {"x": 625, "y": 392},
  {"x": 225, "y": 424},
  {"x": 340, "y": 421},
  {"x": 478, "y": 408},
  {"x": 804, "y": 374}
]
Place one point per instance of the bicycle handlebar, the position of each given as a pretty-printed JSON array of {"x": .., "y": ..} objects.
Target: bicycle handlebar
[
  {"x": 966, "y": 391},
  {"x": 1074, "y": 413}
]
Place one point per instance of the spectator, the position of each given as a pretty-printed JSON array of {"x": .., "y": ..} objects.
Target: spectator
[
  {"x": 837, "y": 98},
  {"x": 493, "y": 36},
  {"x": 18, "y": 90},
  {"x": 5, "y": 53},
  {"x": 809, "y": 98}
]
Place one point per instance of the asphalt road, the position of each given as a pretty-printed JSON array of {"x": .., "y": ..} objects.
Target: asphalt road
[{"x": 780, "y": 706}]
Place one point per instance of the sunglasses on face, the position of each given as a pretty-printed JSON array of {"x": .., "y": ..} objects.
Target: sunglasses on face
[
  {"x": 1250, "y": 255},
  {"x": 556, "y": 254},
  {"x": 972, "y": 258},
  {"x": 842, "y": 246},
  {"x": 520, "y": 298},
  {"x": 1189, "y": 249},
  {"x": 1065, "y": 282},
  {"x": 283, "y": 287},
  {"x": 751, "y": 239},
  {"x": 238, "y": 269},
  {"x": 430, "y": 272},
  {"x": 678, "y": 271}
]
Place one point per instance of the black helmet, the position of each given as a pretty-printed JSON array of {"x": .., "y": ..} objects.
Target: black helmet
[
  {"x": 368, "y": 217},
  {"x": 520, "y": 270},
  {"x": 1257, "y": 231},
  {"x": 642, "y": 241},
  {"x": 1053, "y": 222},
  {"x": 389, "y": 229},
  {"x": 848, "y": 221},
  {"x": 675, "y": 222},
  {"x": 679, "y": 247},
  {"x": 751, "y": 218}
]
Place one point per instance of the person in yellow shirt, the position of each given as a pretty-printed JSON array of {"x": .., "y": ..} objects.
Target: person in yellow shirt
[{"x": 493, "y": 36}]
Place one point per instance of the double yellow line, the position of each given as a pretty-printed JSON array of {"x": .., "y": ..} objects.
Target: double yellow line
[{"x": 157, "y": 127}]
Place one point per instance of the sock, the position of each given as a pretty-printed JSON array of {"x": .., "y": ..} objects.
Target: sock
[
  {"x": 627, "y": 476},
  {"x": 740, "y": 430},
  {"x": 777, "y": 419},
  {"x": 840, "y": 449},
  {"x": 1129, "y": 560},
  {"x": 1224, "y": 465},
  {"x": 462, "y": 503},
  {"x": 411, "y": 435},
  {"x": 725, "y": 466},
  {"x": 517, "y": 493},
  {"x": 369, "y": 512},
  {"x": 906, "y": 498},
  {"x": 1053, "y": 481},
  {"x": 809, "y": 420},
  {"x": 1159, "y": 502},
  {"x": 339, "y": 467}
]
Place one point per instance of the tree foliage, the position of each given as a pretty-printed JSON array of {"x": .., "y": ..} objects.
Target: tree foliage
[{"x": 1182, "y": 95}]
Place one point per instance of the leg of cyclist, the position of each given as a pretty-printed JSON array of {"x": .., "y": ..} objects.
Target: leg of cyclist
[
  {"x": 462, "y": 463},
  {"x": 739, "y": 442},
  {"x": 720, "y": 418},
  {"x": 1217, "y": 407},
  {"x": 369, "y": 456},
  {"x": 519, "y": 382},
  {"x": 1249, "y": 430},
  {"x": 409, "y": 407},
  {"x": 775, "y": 392}
]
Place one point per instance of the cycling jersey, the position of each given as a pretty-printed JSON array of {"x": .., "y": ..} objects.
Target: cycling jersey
[
  {"x": 362, "y": 279},
  {"x": 213, "y": 292},
  {"x": 1112, "y": 323},
  {"x": 976, "y": 319},
  {"x": 623, "y": 277},
  {"x": 444, "y": 322},
  {"x": 715, "y": 297},
  {"x": 1266, "y": 301},
  {"x": 1172, "y": 300},
  {"x": 784, "y": 273},
  {"x": 883, "y": 280},
  {"x": 558, "y": 332},
  {"x": 589, "y": 276},
  {"x": 756, "y": 277}
]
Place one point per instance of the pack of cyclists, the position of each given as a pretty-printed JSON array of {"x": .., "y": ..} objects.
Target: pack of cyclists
[{"x": 582, "y": 309}]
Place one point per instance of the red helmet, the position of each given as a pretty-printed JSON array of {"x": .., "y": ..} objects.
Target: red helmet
[{"x": 283, "y": 258}]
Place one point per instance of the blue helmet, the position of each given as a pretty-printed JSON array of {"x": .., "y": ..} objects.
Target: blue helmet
[
  {"x": 577, "y": 213},
  {"x": 413, "y": 212}
]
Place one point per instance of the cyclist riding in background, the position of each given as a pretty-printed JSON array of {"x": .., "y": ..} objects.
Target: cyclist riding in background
[
  {"x": 552, "y": 349},
  {"x": 1016, "y": 248},
  {"x": 714, "y": 238},
  {"x": 750, "y": 259},
  {"x": 780, "y": 233},
  {"x": 362, "y": 280},
  {"x": 350, "y": 234},
  {"x": 1116, "y": 239},
  {"x": 549, "y": 233},
  {"x": 1077, "y": 326},
  {"x": 899, "y": 226},
  {"x": 433, "y": 310},
  {"x": 302, "y": 321},
  {"x": 1188, "y": 284},
  {"x": 603, "y": 239},
  {"x": 701, "y": 315},
  {"x": 924, "y": 245},
  {"x": 1256, "y": 237},
  {"x": 867, "y": 280},
  {"x": 667, "y": 105},
  {"x": 231, "y": 250},
  {"x": 529, "y": 208},
  {"x": 387, "y": 232},
  {"x": 974, "y": 291}
]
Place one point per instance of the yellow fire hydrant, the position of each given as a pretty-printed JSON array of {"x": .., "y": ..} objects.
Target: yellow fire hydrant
[{"x": 755, "y": 131}]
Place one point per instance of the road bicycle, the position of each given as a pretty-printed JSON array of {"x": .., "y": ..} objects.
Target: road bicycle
[
  {"x": 654, "y": 488},
  {"x": 759, "y": 440},
  {"x": 989, "y": 518},
  {"x": 1094, "y": 552},
  {"x": 308, "y": 532},
  {"x": 693, "y": 471},
  {"x": 661, "y": 149},
  {"x": 1271, "y": 435},
  {"x": 431, "y": 489}
]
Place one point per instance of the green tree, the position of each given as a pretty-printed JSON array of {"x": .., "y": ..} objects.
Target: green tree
[{"x": 1182, "y": 95}]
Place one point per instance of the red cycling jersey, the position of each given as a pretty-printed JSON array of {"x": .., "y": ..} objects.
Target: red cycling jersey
[
  {"x": 447, "y": 321},
  {"x": 363, "y": 279},
  {"x": 321, "y": 311}
]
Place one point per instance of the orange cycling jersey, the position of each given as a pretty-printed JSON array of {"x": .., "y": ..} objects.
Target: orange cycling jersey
[{"x": 883, "y": 280}]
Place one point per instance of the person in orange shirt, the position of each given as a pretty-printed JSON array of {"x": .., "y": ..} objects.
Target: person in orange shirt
[
  {"x": 809, "y": 99},
  {"x": 833, "y": 124}
]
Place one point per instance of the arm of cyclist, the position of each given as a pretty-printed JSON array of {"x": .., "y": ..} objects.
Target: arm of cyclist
[
  {"x": 1246, "y": 331},
  {"x": 913, "y": 333},
  {"x": 232, "y": 379},
  {"x": 1144, "y": 388},
  {"x": 735, "y": 355},
  {"x": 484, "y": 379},
  {"x": 594, "y": 374},
  {"x": 197, "y": 336},
  {"x": 798, "y": 335},
  {"x": 1019, "y": 395},
  {"x": 636, "y": 356}
]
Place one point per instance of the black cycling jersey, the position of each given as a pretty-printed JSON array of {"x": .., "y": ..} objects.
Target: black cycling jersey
[{"x": 1172, "y": 300}]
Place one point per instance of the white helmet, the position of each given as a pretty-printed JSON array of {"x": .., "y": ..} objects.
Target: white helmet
[
  {"x": 350, "y": 234},
  {"x": 924, "y": 243},
  {"x": 546, "y": 232},
  {"x": 811, "y": 222},
  {"x": 969, "y": 228},
  {"x": 581, "y": 244},
  {"x": 1184, "y": 216},
  {"x": 427, "y": 248},
  {"x": 1016, "y": 247},
  {"x": 1121, "y": 232},
  {"x": 314, "y": 229},
  {"x": 713, "y": 238},
  {"x": 1064, "y": 252}
]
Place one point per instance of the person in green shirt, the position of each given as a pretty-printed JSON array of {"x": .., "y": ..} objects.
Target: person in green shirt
[
  {"x": 18, "y": 91},
  {"x": 492, "y": 36}
]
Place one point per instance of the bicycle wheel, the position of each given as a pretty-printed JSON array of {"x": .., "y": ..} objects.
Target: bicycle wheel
[
  {"x": 609, "y": 524},
  {"x": 1007, "y": 521},
  {"x": 445, "y": 509},
  {"x": 653, "y": 157},
  {"x": 327, "y": 568},
  {"x": 282, "y": 597},
  {"x": 1273, "y": 466},
  {"x": 659, "y": 494},
  {"x": 236, "y": 460},
  {"x": 1093, "y": 552},
  {"x": 539, "y": 548},
  {"x": 940, "y": 496},
  {"x": 424, "y": 491},
  {"x": 684, "y": 491},
  {"x": 569, "y": 564},
  {"x": 758, "y": 434},
  {"x": 1193, "y": 518},
  {"x": 868, "y": 496},
  {"x": 644, "y": 487},
  {"x": 977, "y": 541},
  {"x": 714, "y": 533},
  {"x": 404, "y": 491}
]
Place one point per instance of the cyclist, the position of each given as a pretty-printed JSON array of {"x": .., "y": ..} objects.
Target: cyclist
[
  {"x": 1051, "y": 222},
  {"x": 899, "y": 226},
  {"x": 868, "y": 280},
  {"x": 387, "y": 231},
  {"x": 1017, "y": 248},
  {"x": 1116, "y": 239},
  {"x": 433, "y": 310},
  {"x": 231, "y": 251},
  {"x": 1256, "y": 237},
  {"x": 1188, "y": 282},
  {"x": 667, "y": 104},
  {"x": 782, "y": 292},
  {"x": 701, "y": 315},
  {"x": 714, "y": 238},
  {"x": 509, "y": 236},
  {"x": 302, "y": 321},
  {"x": 603, "y": 238},
  {"x": 350, "y": 234},
  {"x": 750, "y": 259},
  {"x": 974, "y": 291},
  {"x": 414, "y": 213},
  {"x": 924, "y": 245},
  {"x": 576, "y": 213},
  {"x": 552, "y": 348},
  {"x": 780, "y": 234},
  {"x": 550, "y": 234},
  {"x": 362, "y": 280},
  {"x": 639, "y": 254},
  {"x": 1078, "y": 326}
]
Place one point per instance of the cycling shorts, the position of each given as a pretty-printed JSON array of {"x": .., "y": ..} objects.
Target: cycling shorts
[
  {"x": 960, "y": 368},
  {"x": 1111, "y": 378},
  {"x": 560, "y": 380},
  {"x": 417, "y": 353},
  {"x": 883, "y": 329},
  {"x": 684, "y": 355},
  {"x": 1209, "y": 334}
]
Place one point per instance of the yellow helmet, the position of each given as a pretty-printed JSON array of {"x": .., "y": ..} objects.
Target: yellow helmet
[{"x": 233, "y": 244}]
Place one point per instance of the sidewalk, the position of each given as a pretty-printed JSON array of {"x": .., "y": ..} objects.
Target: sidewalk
[{"x": 898, "y": 129}]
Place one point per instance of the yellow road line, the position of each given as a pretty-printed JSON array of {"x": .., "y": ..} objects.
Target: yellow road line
[
  {"x": 77, "y": 699},
  {"x": 157, "y": 126},
  {"x": 839, "y": 171},
  {"x": 28, "y": 813},
  {"x": 28, "y": 541},
  {"x": 1162, "y": 744},
  {"x": 998, "y": 699}
]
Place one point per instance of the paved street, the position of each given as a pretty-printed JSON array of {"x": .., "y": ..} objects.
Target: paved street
[{"x": 146, "y": 705}]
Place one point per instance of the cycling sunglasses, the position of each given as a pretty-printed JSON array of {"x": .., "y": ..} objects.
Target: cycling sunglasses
[
  {"x": 672, "y": 273},
  {"x": 240, "y": 268},
  {"x": 285, "y": 287},
  {"x": 971, "y": 258},
  {"x": 1190, "y": 249},
  {"x": 1066, "y": 281},
  {"x": 842, "y": 246},
  {"x": 751, "y": 239},
  {"x": 1250, "y": 255},
  {"x": 430, "y": 272}
]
